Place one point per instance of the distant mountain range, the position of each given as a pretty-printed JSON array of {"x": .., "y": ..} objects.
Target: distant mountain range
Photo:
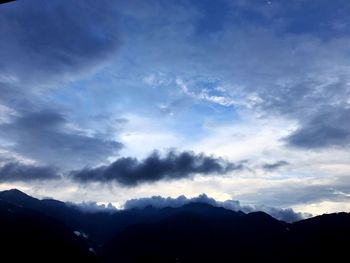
[{"x": 50, "y": 230}]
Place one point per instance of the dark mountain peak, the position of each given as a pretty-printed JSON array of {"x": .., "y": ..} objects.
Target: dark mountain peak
[
  {"x": 53, "y": 202},
  {"x": 13, "y": 191},
  {"x": 17, "y": 197},
  {"x": 334, "y": 220},
  {"x": 259, "y": 215},
  {"x": 331, "y": 216}
]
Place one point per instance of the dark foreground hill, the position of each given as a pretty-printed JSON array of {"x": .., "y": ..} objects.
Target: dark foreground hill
[
  {"x": 49, "y": 230},
  {"x": 30, "y": 236}
]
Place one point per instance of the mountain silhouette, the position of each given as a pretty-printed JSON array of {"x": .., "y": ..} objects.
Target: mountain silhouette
[
  {"x": 47, "y": 230},
  {"x": 32, "y": 236}
]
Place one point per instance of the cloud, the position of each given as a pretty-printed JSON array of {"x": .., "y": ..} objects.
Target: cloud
[
  {"x": 130, "y": 171},
  {"x": 279, "y": 62},
  {"x": 45, "y": 46},
  {"x": 42, "y": 40},
  {"x": 48, "y": 137},
  {"x": 290, "y": 60},
  {"x": 161, "y": 202},
  {"x": 287, "y": 215},
  {"x": 292, "y": 192},
  {"x": 328, "y": 128},
  {"x": 274, "y": 166},
  {"x": 93, "y": 207},
  {"x": 13, "y": 172}
]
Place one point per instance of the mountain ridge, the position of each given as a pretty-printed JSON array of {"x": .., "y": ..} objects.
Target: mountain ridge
[{"x": 195, "y": 232}]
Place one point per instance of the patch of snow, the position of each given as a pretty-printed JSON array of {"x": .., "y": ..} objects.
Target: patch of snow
[{"x": 80, "y": 234}]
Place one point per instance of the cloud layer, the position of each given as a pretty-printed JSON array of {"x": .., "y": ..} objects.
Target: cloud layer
[
  {"x": 287, "y": 215},
  {"x": 44, "y": 46},
  {"x": 42, "y": 40},
  {"x": 328, "y": 128},
  {"x": 130, "y": 171},
  {"x": 47, "y": 137},
  {"x": 14, "y": 172}
]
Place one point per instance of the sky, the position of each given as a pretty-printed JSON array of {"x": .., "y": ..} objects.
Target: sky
[{"x": 108, "y": 101}]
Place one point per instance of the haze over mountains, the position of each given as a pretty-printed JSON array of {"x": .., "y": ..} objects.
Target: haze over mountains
[{"x": 195, "y": 232}]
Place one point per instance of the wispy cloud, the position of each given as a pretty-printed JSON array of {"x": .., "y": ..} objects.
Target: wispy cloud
[
  {"x": 17, "y": 172},
  {"x": 274, "y": 166},
  {"x": 62, "y": 38},
  {"x": 45, "y": 136}
]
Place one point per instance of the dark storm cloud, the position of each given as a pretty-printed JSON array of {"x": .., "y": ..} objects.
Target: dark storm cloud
[
  {"x": 287, "y": 215},
  {"x": 328, "y": 128},
  {"x": 274, "y": 166},
  {"x": 130, "y": 171},
  {"x": 12, "y": 172},
  {"x": 46, "y": 136},
  {"x": 41, "y": 39}
]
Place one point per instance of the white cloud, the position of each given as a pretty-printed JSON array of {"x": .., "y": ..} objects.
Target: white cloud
[
  {"x": 323, "y": 207},
  {"x": 141, "y": 135}
]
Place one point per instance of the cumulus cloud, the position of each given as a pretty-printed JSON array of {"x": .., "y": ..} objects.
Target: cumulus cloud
[
  {"x": 130, "y": 171},
  {"x": 14, "y": 171},
  {"x": 93, "y": 207},
  {"x": 42, "y": 39},
  {"x": 287, "y": 215},
  {"x": 274, "y": 166},
  {"x": 46, "y": 137}
]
